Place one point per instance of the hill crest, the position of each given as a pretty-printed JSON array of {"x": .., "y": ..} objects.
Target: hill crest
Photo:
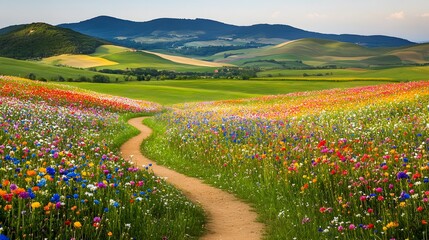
[{"x": 39, "y": 40}]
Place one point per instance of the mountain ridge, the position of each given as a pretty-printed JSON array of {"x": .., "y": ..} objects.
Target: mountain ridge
[{"x": 176, "y": 34}]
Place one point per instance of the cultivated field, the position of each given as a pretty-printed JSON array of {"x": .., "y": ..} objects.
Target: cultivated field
[{"x": 78, "y": 61}]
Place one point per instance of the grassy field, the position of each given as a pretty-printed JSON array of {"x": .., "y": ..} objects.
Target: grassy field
[
  {"x": 180, "y": 91},
  {"x": 116, "y": 57},
  {"x": 305, "y": 49},
  {"x": 21, "y": 68},
  {"x": 391, "y": 74},
  {"x": 130, "y": 59},
  {"x": 318, "y": 52},
  {"x": 78, "y": 61}
]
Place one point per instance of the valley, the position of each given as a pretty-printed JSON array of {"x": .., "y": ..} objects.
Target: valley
[{"x": 177, "y": 128}]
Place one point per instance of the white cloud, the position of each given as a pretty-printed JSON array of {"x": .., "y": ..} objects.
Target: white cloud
[
  {"x": 397, "y": 15},
  {"x": 425, "y": 15},
  {"x": 315, "y": 15},
  {"x": 276, "y": 14}
]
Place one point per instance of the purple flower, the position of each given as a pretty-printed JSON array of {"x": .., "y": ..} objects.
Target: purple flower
[
  {"x": 97, "y": 219},
  {"x": 24, "y": 195},
  {"x": 402, "y": 175}
]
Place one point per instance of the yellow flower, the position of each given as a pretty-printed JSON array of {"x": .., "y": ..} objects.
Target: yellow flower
[
  {"x": 109, "y": 234},
  {"x": 402, "y": 204},
  {"x": 35, "y": 205},
  {"x": 77, "y": 224}
]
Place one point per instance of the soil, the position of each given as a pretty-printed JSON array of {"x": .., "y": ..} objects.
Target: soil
[{"x": 228, "y": 217}]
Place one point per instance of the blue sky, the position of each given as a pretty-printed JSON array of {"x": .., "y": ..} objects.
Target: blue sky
[{"x": 402, "y": 18}]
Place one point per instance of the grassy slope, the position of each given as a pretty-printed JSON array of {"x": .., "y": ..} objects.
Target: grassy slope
[
  {"x": 417, "y": 54},
  {"x": 145, "y": 60},
  {"x": 392, "y": 74},
  {"x": 171, "y": 92},
  {"x": 78, "y": 61},
  {"x": 38, "y": 40},
  {"x": 14, "y": 67},
  {"x": 323, "y": 51},
  {"x": 318, "y": 52},
  {"x": 116, "y": 57}
]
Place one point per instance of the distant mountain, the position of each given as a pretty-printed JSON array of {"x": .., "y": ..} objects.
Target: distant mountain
[
  {"x": 191, "y": 34},
  {"x": 39, "y": 40}
]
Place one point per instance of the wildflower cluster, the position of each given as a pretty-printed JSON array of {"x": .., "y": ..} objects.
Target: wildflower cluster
[
  {"x": 348, "y": 163},
  {"x": 61, "y": 179}
]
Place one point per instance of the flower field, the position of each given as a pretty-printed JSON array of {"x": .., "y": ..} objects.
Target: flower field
[
  {"x": 334, "y": 164},
  {"x": 62, "y": 178}
]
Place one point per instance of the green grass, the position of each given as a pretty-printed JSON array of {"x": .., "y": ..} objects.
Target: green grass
[
  {"x": 108, "y": 49},
  {"x": 318, "y": 52},
  {"x": 20, "y": 68},
  {"x": 391, "y": 74},
  {"x": 146, "y": 60},
  {"x": 181, "y": 91},
  {"x": 325, "y": 51}
]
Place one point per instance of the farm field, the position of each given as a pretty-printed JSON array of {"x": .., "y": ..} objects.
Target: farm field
[
  {"x": 180, "y": 91},
  {"x": 116, "y": 57},
  {"x": 341, "y": 163},
  {"x": 106, "y": 57},
  {"x": 19, "y": 68},
  {"x": 62, "y": 176}
]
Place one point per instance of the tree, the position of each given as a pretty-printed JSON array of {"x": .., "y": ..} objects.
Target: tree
[
  {"x": 32, "y": 76},
  {"x": 100, "y": 79}
]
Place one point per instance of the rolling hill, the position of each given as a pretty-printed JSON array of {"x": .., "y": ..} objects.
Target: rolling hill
[
  {"x": 40, "y": 70},
  {"x": 203, "y": 37},
  {"x": 39, "y": 40},
  {"x": 116, "y": 57},
  {"x": 319, "y": 52}
]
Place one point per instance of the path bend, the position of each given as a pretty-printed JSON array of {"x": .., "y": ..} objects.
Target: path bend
[{"x": 228, "y": 217}]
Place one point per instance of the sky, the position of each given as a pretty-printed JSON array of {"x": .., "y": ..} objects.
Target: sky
[{"x": 400, "y": 18}]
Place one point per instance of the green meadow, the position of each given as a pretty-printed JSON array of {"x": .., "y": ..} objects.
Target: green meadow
[
  {"x": 130, "y": 59},
  {"x": 180, "y": 91},
  {"x": 413, "y": 73},
  {"x": 20, "y": 68}
]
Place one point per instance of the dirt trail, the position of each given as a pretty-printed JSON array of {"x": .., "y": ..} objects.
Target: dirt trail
[{"x": 228, "y": 217}]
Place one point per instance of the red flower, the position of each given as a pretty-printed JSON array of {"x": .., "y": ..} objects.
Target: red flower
[
  {"x": 8, "y": 197},
  {"x": 321, "y": 143}
]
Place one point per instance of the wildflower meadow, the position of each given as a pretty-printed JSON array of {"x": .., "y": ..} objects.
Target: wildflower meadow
[
  {"x": 333, "y": 164},
  {"x": 62, "y": 176}
]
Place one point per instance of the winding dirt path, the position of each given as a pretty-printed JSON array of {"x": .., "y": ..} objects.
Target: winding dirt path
[{"x": 228, "y": 217}]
